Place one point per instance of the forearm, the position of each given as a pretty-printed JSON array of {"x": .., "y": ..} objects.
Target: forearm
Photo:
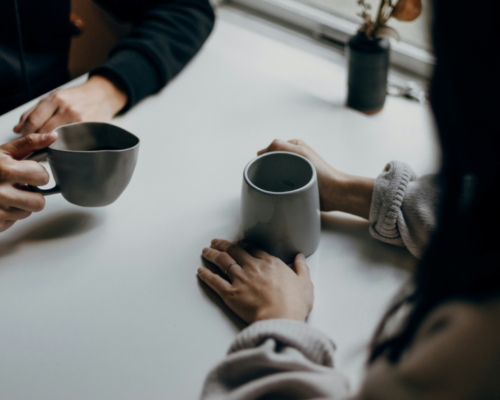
[
  {"x": 354, "y": 195},
  {"x": 400, "y": 207},
  {"x": 282, "y": 358},
  {"x": 113, "y": 95},
  {"x": 165, "y": 36}
]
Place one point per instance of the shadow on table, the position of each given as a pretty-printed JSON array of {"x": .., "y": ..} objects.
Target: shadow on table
[
  {"x": 355, "y": 229},
  {"x": 216, "y": 299},
  {"x": 53, "y": 228},
  {"x": 369, "y": 248},
  {"x": 318, "y": 102}
]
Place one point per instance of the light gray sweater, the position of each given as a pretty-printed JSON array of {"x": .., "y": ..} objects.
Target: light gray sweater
[
  {"x": 403, "y": 210},
  {"x": 284, "y": 359}
]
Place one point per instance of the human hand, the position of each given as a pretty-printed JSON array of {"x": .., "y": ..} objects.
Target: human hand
[
  {"x": 262, "y": 286},
  {"x": 338, "y": 191},
  {"x": 329, "y": 179},
  {"x": 16, "y": 202},
  {"x": 98, "y": 99}
]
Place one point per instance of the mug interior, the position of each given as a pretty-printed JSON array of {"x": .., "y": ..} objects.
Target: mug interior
[
  {"x": 93, "y": 136},
  {"x": 280, "y": 172}
]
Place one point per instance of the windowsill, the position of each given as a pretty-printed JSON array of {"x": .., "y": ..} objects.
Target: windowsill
[
  {"x": 303, "y": 40},
  {"x": 325, "y": 27}
]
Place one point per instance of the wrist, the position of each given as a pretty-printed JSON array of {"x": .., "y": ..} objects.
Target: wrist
[
  {"x": 296, "y": 315},
  {"x": 111, "y": 94},
  {"x": 334, "y": 186},
  {"x": 354, "y": 195}
]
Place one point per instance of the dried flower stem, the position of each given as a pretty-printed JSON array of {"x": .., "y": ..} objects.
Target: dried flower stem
[
  {"x": 380, "y": 8},
  {"x": 385, "y": 10}
]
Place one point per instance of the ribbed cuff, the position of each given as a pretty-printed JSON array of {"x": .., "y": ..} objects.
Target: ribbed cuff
[
  {"x": 134, "y": 72},
  {"x": 388, "y": 194},
  {"x": 315, "y": 346}
]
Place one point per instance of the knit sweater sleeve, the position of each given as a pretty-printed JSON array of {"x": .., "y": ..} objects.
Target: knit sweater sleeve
[
  {"x": 277, "y": 359},
  {"x": 165, "y": 35},
  {"x": 403, "y": 209}
]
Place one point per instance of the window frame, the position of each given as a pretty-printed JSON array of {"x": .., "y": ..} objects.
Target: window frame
[{"x": 325, "y": 26}]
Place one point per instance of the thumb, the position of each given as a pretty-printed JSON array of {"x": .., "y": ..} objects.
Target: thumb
[
  {"x": 300, "y": 266},
  {"x": 20, "y": 148}
]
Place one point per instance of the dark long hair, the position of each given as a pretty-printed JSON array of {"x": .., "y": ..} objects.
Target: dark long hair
[{"x": 462, "y": 260}]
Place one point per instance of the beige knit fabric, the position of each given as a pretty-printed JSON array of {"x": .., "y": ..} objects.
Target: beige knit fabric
[{"x": 403, "y": 210}]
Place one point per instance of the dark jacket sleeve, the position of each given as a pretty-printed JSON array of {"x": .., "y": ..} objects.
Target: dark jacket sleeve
[{"x": 165, "y": 35}]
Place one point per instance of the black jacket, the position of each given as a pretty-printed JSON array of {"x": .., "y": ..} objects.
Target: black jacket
[{"x": 35, "y": 38}]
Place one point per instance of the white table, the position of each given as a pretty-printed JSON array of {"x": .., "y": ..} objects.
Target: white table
[{"x": 105, "y": 303}]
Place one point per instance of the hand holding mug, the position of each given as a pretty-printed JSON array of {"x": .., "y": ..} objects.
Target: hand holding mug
[
  {"x": 260, "y": 286},
  {"x": 16, "y": 202},
  {"x": 92, "y": 163},
  {"x": 280, "y": 210},
  {"x": 338, "y": 191}
]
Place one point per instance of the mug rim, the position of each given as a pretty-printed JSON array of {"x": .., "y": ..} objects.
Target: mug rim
[
  {"x": 94, "y": 151},
  {"x": 304, "y": 188}
]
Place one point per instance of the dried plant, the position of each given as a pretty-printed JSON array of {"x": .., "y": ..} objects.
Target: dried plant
[{"x": 403, "y": 10}]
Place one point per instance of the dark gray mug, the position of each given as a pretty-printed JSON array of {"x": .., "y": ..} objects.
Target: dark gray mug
[
  {"x": 280, "y": 209},
  {"x": 92, "y": 162}
]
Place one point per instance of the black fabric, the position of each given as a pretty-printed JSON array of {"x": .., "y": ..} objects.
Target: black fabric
[
  {"x": 165, "y": 36},
  {"x": 462, "y": 261}
]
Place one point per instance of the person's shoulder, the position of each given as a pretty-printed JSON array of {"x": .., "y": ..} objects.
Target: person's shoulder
[
  {"x": 457, "y": 349},
  {"x": 455, "y": 354}
]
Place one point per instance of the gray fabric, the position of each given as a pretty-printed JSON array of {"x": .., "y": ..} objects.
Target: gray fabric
[
  {"x": 403, "y": 210},
  {"x": 277, "y": 359}
]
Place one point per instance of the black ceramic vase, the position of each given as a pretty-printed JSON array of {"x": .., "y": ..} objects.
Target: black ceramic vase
[{"x": 368, "y": 61}]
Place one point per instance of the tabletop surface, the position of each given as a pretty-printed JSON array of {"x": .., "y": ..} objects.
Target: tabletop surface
[{"x": 104, "y": 303}]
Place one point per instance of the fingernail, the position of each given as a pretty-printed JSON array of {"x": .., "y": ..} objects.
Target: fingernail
[
  {"x": 204, "y": 250},
  {"x": 199, "y": 271},
  {"x": 47, "y": 135},
  {"x": 215, "y": 241},
  {"x": 301, "y": 257}
]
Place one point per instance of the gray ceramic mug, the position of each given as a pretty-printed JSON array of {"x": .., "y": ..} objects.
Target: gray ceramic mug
[
  {"x": 92, "y": 162},
  {"x": 280, "y": 209}
]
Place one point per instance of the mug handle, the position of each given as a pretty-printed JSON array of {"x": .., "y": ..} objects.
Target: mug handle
[{"x": 41, "y": 155}]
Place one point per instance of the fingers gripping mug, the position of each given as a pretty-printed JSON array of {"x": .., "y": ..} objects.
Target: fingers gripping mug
[
  {"x": 92, "y": 163},
  {"x": 280, "y": 210}
]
